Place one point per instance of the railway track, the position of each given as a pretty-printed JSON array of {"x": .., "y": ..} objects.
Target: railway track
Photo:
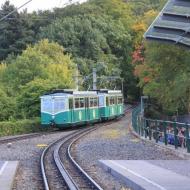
[
  {"x": 60, "y": 169},
  {"x": 25, "y": 136},
  {"x": 33, "y": 135}
]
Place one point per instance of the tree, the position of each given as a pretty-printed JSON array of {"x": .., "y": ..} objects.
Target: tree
[
  {"x": 7, "y": 106},
  {"x": 39, "y": 61},
  {"x": 37, "y": 70},
  {"x": 93, "y": 39},
  {"x": 140, "y": 7},
  {"x": 165, "y": 76},
  {"x": 28, "y": 101},
  {"x": 15, "y": 32}
]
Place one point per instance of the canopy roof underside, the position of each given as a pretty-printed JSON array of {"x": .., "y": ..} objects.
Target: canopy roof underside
[{"x": 172, "y": 24}]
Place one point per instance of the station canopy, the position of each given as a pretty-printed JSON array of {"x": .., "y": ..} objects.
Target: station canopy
[{"x": 172, "y": 24}]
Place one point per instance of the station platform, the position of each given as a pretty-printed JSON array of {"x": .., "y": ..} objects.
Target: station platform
[
  {"x": 7, "y": 174},
  {"x": 147, "y": 175}
]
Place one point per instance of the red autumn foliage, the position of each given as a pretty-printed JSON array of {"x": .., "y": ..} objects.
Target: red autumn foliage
[
  {"x": 146, "y": 79},
  {"x": 137, "y": 56}
]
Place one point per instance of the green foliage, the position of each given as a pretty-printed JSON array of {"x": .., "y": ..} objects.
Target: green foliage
[
  {"x": 7, "y": 106},
  {"x": 28, "y": 101},
  {"x": 80, "y": 36},
  {"x": 37, "y": 70},
  {"x": 100, "y": 37},
  {"x": 20, "y": 127},
  {"x": 167, "y": 67},
  {"x": 97, "y": 32},
  {"x": 15, "y": 32},
  {"x": 39, "y": 61},
  {"x": 140, "y": 7}
]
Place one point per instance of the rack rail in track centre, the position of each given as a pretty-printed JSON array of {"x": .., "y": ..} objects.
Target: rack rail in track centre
[
  {"x": 66, "y": 169},
  {"x": 92, "y": 182},
  {"x": 70, "y": 182}
]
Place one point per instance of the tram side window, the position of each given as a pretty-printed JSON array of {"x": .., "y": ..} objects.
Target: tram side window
[
  {"x": 87, "y": 102},
  {"x": 70, "y": 104},
  {"x": 59, "y": 105},
  {"x": 81, "y": 102},
  {"x": 101, "y": 101},
  {"x": 120, "y": 100},
  {"x": 112, "y": 100},
  {"x": 47, "y": 105},
  {"x": 77, "y": 103},
  {"x": 107, "y": 101},
  {"x": 93, "y": 102}
]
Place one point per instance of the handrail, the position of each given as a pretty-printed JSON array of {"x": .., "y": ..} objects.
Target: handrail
[
  {"x": 168, "y": 132},
  {"x": 179, "y": 123}
]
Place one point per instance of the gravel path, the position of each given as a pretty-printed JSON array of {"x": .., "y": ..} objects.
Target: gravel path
[
  {"x": 28, "y": 152},
  {"x": 115, "y": 142}
]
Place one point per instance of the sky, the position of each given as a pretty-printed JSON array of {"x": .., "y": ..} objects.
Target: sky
[{"x": 40, "y": 4}]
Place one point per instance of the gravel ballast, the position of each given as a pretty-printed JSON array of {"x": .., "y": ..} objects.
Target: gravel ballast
[
  {"x": 115, "y": 142},
  {"x": 28, "y": 153}
]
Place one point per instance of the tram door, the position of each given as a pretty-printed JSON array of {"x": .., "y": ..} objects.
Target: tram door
[
  {"x": 87, "y": 111},
  {"x": 71, "y": 110}
]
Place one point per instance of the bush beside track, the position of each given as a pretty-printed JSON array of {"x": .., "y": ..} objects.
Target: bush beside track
[{"x": 20, "y": 127}]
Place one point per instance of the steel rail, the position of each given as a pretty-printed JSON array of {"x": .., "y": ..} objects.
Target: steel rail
[
  {"x": 42, "y": 160},
  {"x": 25, "y": 136},
  {"x": 73, "y": 137},
  {"x": 45, "y": 180},
  {"x": 58, "y": 162},
  {"x": 65, "y": 174},
  {"x": 78, "y": 166}
]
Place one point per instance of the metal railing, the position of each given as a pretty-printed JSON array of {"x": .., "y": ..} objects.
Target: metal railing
[{"x": 167, "y": 132}]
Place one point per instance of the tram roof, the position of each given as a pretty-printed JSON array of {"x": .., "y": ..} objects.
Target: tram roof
[
  {"x": 172, "y": 24},
  {"x": 70, "y": 93},
  {"x": 67, "y": 93},
  {"x": 106, "y": 91}
]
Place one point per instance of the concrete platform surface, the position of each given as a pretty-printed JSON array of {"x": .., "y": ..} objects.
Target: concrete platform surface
[
  {"x": 144, "y": 175},
  {"x": 7, "y": 174},
  {"x": 1, "y": 164}
]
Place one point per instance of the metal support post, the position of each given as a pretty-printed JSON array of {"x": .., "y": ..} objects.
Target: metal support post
[
  {"x": 165, "y": 133},
  {"x": 94, "y": 79},
  {"x": 156, "y": 132},
  {"x": 77, "y": 79},
  {"x": 142, "y": 104},
  {"x": 187, "y": 138},
  {"x": 175, "y": 135}
]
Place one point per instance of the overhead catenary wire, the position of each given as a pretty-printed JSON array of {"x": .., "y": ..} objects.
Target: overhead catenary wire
[
  {"x": 6, "y": 16},
  {"x": 70, "y": 2}
]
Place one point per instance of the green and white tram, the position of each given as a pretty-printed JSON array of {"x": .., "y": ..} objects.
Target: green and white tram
[
  {"x": 71, "y": 108},
  {"x": 110, "y": 104}
]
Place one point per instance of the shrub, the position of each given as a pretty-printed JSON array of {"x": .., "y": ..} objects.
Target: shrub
[{"x": 20, "y": 127}]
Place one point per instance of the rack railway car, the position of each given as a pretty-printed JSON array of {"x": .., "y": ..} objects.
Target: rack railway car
[
  {"x": 72, "y": 108},
  {"x": 110, "y": 104}
]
